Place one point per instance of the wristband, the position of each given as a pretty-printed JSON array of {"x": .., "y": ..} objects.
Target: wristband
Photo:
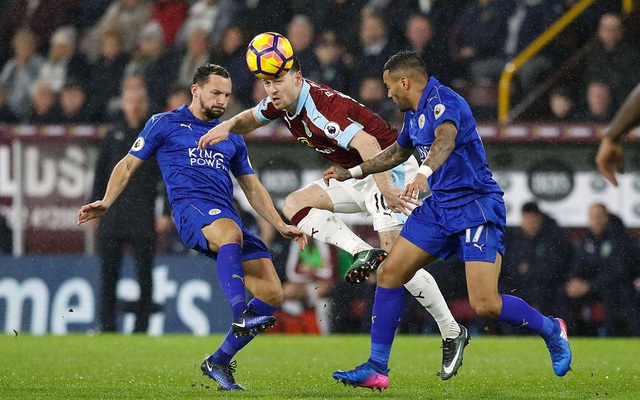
[
  {"x": 356, "y": 172},
  {"x": 425, "y": 170}
]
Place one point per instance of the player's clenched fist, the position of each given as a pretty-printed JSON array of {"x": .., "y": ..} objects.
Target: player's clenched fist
[
  {"x": 336, "y": 172},
  {"x": 213, "y": 136}
]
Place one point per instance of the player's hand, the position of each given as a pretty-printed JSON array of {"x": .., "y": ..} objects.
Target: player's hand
[
  {"x": 336, "y": 172},
  {"x": 91, "y": 211},
  {"x": 215, "y": 135},
  {"x": 609, "y": 159},
  {"x": 413, "y": 188},
  {"x": 293, "y": 233}
]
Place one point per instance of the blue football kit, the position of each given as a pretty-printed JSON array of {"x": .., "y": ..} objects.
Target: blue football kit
[
  {"x": 465, "y": 213},
  {"x": 198, "y": 182}
]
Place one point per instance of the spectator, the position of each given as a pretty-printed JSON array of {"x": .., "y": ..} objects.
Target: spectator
[
  {"x": 373, "y": 95},
  {"x": 602, "y": 272},
  {"x": 375, "y": 48},
  {"x": 170, "y": 14},
  {"x": 599, "y": 102},
  {"x": 106, "y": 74},
  {"x": 132, "y": 219},
  {"x": 6, "y": 115},
  {"x": 44, "y": 109},
  {"x": 19, "y": 74},
  {"x": 114, "y": 107},
  {"x": 212, "y": 16},
  {"x": 178, "y": 96},
  {"x": 420, "y": 38},
  {"x": 63, "y": 62},
  {"x": 537, "y": 264},
  {"x": 41, "y": 17},
  {"x": 309, "y": 277},
  {"x": 562, "y": 106},
  {"x": 128, "y": 16},
  {"x": 197, "y": 54},
  {"x": 154, "y": 63},
  {"x": 73, "y": 106},
  {"x": 479, "y": 33},
  {"x": 527, "y": 19},
  {"x": 300, "y": 34},
  {"x": 231, "y": 55},
  {"x": 331, "y": 69},
  {"x": 621, "y": 58},
  {"x": 340, "y": 18}
]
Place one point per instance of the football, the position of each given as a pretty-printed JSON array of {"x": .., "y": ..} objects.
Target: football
[{"x": 269, "y": 55}]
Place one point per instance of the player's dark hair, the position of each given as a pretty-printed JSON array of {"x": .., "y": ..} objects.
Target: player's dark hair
[
  {"x": 531, "y": 207},
  {"x": 295, "y": 67},
  {"x": 406, "y": 60},
  {"x": 201, "y": 75}
]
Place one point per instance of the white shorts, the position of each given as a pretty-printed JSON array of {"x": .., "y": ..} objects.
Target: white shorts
[{"x": 362, "y": 195}]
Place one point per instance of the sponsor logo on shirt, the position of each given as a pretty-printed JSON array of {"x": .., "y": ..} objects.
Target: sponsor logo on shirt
[
  {"x": 214, "y": 211},
  {"x": 206, "y": 158}
]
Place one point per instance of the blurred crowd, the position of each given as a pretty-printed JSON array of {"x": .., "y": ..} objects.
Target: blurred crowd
[{"x": 67, "y": 61}]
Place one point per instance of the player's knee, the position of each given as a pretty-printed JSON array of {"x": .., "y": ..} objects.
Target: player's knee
[
  {"x": 390, "y": 277},
  {"x": 486, "y": 308},
  {"x": 274, "y": 295}
]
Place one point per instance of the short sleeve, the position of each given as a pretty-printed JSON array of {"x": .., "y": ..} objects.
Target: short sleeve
[
  {"x": 149, "y": 139},
  {"x": 265, "y": 111},
  {"x": 445, "y": 106},
  {"x": 240, "y": 164}
]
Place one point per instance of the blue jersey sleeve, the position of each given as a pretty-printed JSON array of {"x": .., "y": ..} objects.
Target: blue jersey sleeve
[
  {"x": 240, "y": 164},
  {"x": 403, "y": 138},
  {"x": 149, "y": 139},
  {"x": 445, "y": 107}
]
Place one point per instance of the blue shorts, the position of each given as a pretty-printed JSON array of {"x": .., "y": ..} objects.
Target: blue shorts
[
  {"x": 192, "y": 216},
  {"x": 473, "y": 232}
]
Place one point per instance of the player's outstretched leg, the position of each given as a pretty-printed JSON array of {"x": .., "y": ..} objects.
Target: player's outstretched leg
[
  {"x": 221, "y": 373},
  {"x": 251, "y": 323},
  {"x": 559, "y": 349},
  {"x": 365, "y": 375},
  {"x": 366, "y": 262},
  {"x": 452, "y": 352}
]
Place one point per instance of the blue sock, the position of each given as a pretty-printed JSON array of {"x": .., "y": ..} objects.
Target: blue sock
[
  {"x": 385, "y": 318},
  {"x": 261, "y": 307},
  {"x": 516, "y": 312},
  {"x": 231, "y": 277},
  {"x": 231, "y": 344},
  {"x": 229, "y": 347}
]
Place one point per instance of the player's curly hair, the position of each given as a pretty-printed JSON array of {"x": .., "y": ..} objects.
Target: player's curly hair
[
  {"x": 406, "y": 60},
  {"x": 201, "y": 76}
]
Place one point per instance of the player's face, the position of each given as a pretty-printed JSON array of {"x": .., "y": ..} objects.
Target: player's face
[
  {"x": 284, "y": 91},
  {"x": 396, "y": 91},
  {"x": 213, "y": 96}
]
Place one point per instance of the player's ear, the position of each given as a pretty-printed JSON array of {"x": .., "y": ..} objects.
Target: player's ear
[
  {"x": 194, "y": 90},
  {"x": 406, "y": 83}
]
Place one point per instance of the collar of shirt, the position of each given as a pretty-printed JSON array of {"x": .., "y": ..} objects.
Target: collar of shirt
[
  {"x": 302, "y": 99},
  {"x": 424, "y": 99}
]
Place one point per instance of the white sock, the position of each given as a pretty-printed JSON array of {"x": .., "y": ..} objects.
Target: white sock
[
  {"x": 424, "y": 288},
  {"x": 324, "y": 226}
]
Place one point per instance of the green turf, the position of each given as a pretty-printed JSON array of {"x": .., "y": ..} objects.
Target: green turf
[{"x": 299, "y": 367}]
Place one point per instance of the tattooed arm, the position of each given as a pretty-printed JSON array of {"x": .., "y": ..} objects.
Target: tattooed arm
[
  {"x": 385, "y": 160},
  {"x": 440, "y": 150}
]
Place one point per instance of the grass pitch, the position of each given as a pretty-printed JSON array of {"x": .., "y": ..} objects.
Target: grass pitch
[{"x": 299, "y": 367}]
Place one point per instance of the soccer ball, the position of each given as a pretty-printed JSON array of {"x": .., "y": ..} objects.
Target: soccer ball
[{"x": 269, "y": 55}]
